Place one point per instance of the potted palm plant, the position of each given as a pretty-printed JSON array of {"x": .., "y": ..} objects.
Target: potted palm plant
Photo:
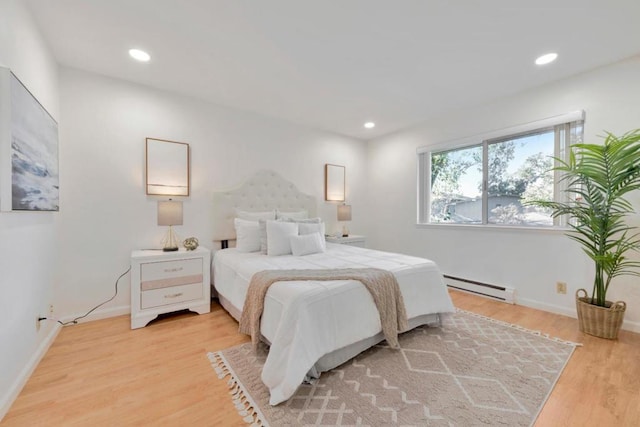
[{"x": 598, "y": 178}]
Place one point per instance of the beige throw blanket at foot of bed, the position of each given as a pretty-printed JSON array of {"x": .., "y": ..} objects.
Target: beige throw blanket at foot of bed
[{"x": 382, "y": 285}]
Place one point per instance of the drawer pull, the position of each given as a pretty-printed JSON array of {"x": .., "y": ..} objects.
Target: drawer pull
[
  {"x": 173, "y": 295},
  {"x": 171, "y": 270}
]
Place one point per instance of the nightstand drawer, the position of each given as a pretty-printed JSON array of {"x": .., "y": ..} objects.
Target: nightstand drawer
[
  {"x": 169, "y": 269},
  {"x": 172, "y": 295}
]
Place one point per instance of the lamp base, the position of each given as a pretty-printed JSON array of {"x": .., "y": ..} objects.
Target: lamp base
[
  {"x": 170, "y": 242},
  {"x": 345, "y": 231}
]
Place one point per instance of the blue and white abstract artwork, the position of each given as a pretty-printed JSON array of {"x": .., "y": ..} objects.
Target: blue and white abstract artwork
[{"x": 34, "y": 153}]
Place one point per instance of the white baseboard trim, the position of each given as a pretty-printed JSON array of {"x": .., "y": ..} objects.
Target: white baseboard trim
[
  {"x": 557, "y": 309},
  {"x": 10, "y": 397},
  {"x": 570, "y": 312},
  {"x": 99, "y": 314},
  {"x": 631, "y": 326},
  {"x": 25, "y": 374}
]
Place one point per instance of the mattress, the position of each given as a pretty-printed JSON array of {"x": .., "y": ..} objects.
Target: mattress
[{"x": 306, "y": 320}]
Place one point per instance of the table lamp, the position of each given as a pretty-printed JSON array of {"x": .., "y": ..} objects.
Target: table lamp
[
  {"x": 344, "y": 214},
  {"x": 170, "y": 213}
]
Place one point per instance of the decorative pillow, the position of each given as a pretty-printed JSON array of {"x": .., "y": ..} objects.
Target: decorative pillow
[
  {"x": 303, "y": 214},
  {"x": 307, "y": 244},
  {"x": 303, "y": 221},
  {"x": 310, "y": 228},
  {"x": 247, "y": 235},
  {"x": 263, "y": 236},
  {"x": 278, "y": 235},
  {"x": 255, "y": 216}
]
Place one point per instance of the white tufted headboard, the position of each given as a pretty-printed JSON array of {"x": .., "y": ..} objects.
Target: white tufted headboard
[{"x": 266, "y": 190}]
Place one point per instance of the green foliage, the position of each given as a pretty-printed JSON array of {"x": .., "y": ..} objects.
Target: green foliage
[
  {"x": 537, "y": 173},
  {"x": 532, "y": 181},
  {"x": 533, "y": 177},
  {"x": 598, "y": 177},
  {"x": 499, "y": 182},
  {"x": 447, "y": 167}
]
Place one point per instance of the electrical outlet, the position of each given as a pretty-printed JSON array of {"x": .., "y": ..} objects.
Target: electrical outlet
[
  {"x": 561, "y": 288},
  {"x": 50, "y": 308}
]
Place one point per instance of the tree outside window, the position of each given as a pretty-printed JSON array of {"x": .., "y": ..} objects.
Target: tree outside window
[{"x": 492, "y": 182}]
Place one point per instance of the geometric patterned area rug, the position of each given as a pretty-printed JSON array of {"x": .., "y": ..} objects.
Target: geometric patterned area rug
[{"x": 469, "y": 371}]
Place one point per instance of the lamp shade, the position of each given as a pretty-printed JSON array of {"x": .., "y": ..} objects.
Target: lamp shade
[
  {"x": 170, "y": 213},
  {"x": 344, "y": 212}
]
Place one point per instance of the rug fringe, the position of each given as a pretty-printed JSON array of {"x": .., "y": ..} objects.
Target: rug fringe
[
  {"x": 520, "y": 328},
  {"x": 245, "y": 407}
]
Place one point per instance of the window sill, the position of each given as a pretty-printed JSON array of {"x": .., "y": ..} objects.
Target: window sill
[{"x": 499, "y": 228}]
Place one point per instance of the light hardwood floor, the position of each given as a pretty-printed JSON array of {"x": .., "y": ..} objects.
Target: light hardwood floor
[{"x": 104, "y": 374}]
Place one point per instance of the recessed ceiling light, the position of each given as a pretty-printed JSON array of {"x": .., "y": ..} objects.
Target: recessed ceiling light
[
  {"x": 140, "y": 55},
  {"x": 545, "y": 59},
  {"x": 369, "y": 125}
]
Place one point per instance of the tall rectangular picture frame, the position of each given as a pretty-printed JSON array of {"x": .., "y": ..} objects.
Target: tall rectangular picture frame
[
  {"x": 334, "y": 183},
  {"x": 167, "y": 167},
  {"x": 29, "y": 178}
]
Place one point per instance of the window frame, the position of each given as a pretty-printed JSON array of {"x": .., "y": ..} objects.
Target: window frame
[{"x": 563, "y": 127}]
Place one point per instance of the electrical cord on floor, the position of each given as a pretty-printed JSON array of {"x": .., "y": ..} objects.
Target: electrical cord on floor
[{"x": 75, "y": 321}]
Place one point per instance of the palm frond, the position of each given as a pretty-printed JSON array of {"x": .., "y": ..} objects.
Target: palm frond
[{"x": 597, "y": 179}]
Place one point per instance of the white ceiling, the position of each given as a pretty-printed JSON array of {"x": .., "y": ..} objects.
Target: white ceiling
[{"x": 334, "y": 64}]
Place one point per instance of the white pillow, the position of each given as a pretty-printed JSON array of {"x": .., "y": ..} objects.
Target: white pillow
[
  {"x": 263, "y": 236},
  {"x": 307, "y": 244},
  {"x": 303, "y": 220},
  {"x": 310, "y": 228},
  {"x": 247, "y": 235},
  {"x": 303, "y": 214},
  {"x": 255, "y": 216},
  {"x": 278, "y": 235}
]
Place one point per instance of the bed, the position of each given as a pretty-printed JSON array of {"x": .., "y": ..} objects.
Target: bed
[{"x": 313, "y": 326}]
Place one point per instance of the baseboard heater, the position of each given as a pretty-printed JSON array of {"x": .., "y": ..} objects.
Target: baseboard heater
[{"x": 500, "y": 293}]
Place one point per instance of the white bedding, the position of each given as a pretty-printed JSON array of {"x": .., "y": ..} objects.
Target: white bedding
[{"x": 304, "y": 321}]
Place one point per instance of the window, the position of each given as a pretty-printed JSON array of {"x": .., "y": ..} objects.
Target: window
[
  {"x": 489, "y": 179},
  {"x": 456, "y": 186}
]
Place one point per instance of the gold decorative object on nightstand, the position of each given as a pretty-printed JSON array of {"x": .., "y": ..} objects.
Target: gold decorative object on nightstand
[{"x": 190, "y": 243}]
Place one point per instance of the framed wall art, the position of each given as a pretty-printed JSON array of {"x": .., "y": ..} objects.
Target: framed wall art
[
  {"x": 334, "y": 185},
  {"x": 29, "y": 179},
  {"x": 167, "y": 167}
]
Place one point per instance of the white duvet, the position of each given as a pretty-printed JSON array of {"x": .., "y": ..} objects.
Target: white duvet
[{"x": 303, "y": 321}]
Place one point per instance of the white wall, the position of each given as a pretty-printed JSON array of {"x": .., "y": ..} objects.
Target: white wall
[
  {"x": 104, "y": 210},
  {"x": 530, "y": 261},
  {"x": 27, "y": 240}
]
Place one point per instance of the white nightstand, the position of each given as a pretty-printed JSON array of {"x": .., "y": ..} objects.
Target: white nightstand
[
  {"x": 352, "y": 240},
  {"x": 162, "y": 282}
]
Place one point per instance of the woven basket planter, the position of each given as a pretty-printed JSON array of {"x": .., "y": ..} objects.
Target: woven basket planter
[{"x": 603, "y": 322}]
